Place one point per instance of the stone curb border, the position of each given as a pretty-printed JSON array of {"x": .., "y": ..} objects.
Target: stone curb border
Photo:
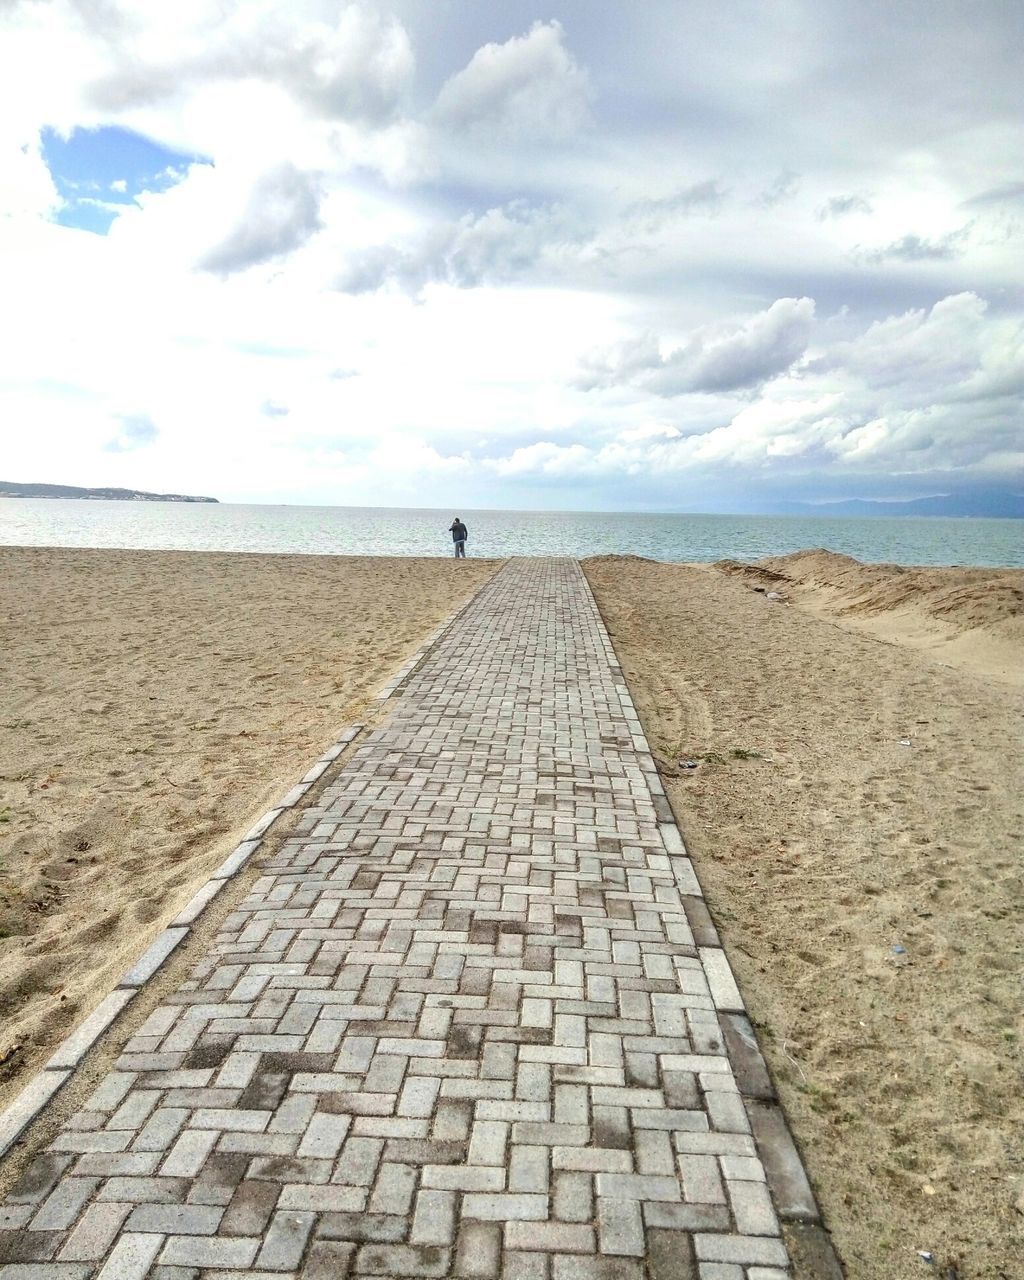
[
  {"x": 69, "y": 1054},
  {"x": 58, "y": 1070},
  {"x": 784, "y": 1168}
]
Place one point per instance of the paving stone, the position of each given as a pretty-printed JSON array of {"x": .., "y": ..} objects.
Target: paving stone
[
  {"x": 284, "y": 1243},
  {"x": 575, "y": 1267},
  {"x": 620, "y": 1227},
  {"x": 250, "y": 1208},
  {"x": 175, "y": 1219},
  {"x": 472, "y": 1018},
  {"x": 557, "y": 1237},
  {"x": 385, "y": 1228},
  {"x": 328, "y": 1260},
  {"x": 402, "y": 1260},
  {"x": 131, "y": 1257},
  {"x": 209, "y": 1251},
  {"x": 62, "y": 1206},
  {"x": 478, "y": 1256},
  {"x": 739, "y": 1248},
  {"x": 434, "y": 1219},
  {"x": 670, "y": 1256},
  {"x": 28, "y": 1246}
]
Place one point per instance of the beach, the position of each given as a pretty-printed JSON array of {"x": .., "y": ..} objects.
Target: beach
[
  {"x": 841, "y": 744},
  {"x": 847, "y": 766},
  {"x": 153, "y": 705}
]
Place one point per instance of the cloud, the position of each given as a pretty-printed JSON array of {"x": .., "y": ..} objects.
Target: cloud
[
  {"x": 840, "y": 206},
  {"x": 499, "y": 245},
  {"x": 712, "y": 359},
  {"x": 780, "y": 189},
  {"x": 915, "y": 248},
  {"x": 529, "y": 86},
  {"x": 422, "y": 193},
  {"x": 136, "y": 431},
  {"x": 1006, "y": 193},
  {"x": 700, "y": 198},
  {"x": 354, "y": 64},
  {"x": 282, "y": 213}
]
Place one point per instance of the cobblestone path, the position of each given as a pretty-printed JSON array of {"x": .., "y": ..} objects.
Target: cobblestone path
[{"x": 467, "y": 1022}]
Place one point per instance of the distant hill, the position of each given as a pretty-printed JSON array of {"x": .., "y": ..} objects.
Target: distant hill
[
  {"x": 10, "y": 489},
  {"x": 1006, "y": 506}
]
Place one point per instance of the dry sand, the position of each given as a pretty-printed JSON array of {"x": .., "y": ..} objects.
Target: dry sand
[
  {"x": 152, "y": 705},
  {"x": 972, "y": 619},
  {"x": 869, "y": 892}
]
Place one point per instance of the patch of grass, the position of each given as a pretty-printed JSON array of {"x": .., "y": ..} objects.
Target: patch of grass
[
  {"x": 744, "y": 753},
  {"x": 5, "y": 814}
]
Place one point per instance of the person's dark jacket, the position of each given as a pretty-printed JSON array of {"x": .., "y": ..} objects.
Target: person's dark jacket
[{"x": 459, "y": 532}]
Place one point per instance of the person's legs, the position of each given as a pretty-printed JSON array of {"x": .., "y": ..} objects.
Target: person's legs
[{"x": 460, "y": 549}]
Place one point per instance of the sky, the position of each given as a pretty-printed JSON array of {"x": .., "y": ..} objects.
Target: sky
[{"x": 678, "y": 255}]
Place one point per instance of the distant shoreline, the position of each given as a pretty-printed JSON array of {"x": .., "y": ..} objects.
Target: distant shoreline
[{"x": 11, "y": 489}]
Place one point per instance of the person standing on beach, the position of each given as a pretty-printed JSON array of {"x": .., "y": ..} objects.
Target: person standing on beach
[{"x": 459, "y": 534}]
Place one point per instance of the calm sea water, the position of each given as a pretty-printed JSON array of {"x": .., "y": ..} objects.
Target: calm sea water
[{"x": 418, "y": 532}]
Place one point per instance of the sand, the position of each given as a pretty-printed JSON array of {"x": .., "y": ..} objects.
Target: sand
[
  {"x": 152, "y": 705},
  {"x": 972, "y": 619},
  {"x": 856, "y": 820}
]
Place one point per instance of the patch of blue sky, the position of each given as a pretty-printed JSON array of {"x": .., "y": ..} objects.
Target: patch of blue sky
[{"x": 100, "y": 172}]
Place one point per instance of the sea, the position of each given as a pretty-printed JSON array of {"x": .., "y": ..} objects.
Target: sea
[{"x": 401, "y": 531}]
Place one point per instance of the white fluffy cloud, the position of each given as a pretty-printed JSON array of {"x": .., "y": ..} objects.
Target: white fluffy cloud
[{"x": 529, "y": 85}]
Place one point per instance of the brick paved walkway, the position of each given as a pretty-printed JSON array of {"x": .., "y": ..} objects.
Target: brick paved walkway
[{"x": 460, "y": 1027}]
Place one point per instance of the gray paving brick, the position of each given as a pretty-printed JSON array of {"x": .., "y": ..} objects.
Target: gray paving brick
[
  {"x": 620, "y": 1227},
  {"x": 402, "y": 1260},
  {"x": 63, "y": 1204},
  {"x": 285, "y": 1241},
  {"x": 209, "y": 1251},
  {"x": 478, "y": 1256},
  {"x": 555, "y": 1237},
  {"x": 249, "y": 1208},
  {"x": 95, "y": 1232},
  {"x": 328, "y": 1260},
  {"x": 131, "y": 1257},
  {"x": 324, "y": 1136},
  {"x": 434, "y": 1219},
  {"x": 752, "y": 1209},
  {"x": 175, "y": 1219},
  {"x": 189, "y": 1153},
  {"x": 746, "y": 1250}
]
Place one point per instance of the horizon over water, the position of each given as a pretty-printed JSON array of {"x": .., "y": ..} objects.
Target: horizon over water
[{"x": 409, "y": 531}]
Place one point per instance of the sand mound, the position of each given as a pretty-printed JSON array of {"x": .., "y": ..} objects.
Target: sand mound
[
  {"x": 968, "y": 617},
  {"x": 624, "y": 558}
]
